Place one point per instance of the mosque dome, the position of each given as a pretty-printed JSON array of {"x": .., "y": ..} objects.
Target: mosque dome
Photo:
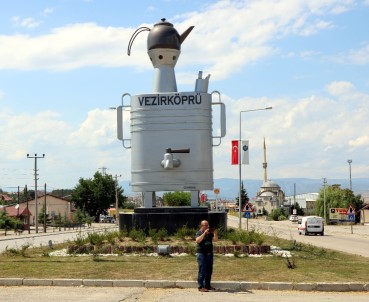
[
  {"x": 267, "y": 194},
  {"x": 270, "y": 184}
]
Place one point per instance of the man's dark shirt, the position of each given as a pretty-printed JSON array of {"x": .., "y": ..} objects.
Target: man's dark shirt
[{"x": 206, "y": 245}]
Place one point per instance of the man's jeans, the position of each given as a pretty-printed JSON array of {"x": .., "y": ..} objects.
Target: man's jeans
[{"x": 205, "y": 263}]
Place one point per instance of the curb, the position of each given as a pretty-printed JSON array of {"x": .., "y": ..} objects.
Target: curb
[{"x": 222, "y": 285}]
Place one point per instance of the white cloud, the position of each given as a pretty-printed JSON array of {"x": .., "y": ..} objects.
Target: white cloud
[
  {"x": 356, "y": 56},
  {"x": 47, "y": 11},
  {"x": 340, "y": 88},
  {"x": 69, "y": 153},
  {"x": 245, "y": 35},
  {"x": 310, "y": 136},
  {"x": 26, "y": 22},
  {"x": 98, "y": 130}
]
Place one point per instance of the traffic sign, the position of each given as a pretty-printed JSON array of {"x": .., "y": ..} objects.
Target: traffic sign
[
  {"x": 247, "y": 215},
  {"x": 216, "y": 191},
  {"x": 247, "y": 207},
  {"x": 350, "y": 210},
  {"x": 351, "y": 217}
]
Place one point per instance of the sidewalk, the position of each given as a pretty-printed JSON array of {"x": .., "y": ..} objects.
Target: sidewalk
[{"x": 220, "y": 285}]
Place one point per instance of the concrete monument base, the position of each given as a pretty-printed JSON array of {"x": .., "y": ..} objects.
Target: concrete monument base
[{"x": 171, "y": 218}]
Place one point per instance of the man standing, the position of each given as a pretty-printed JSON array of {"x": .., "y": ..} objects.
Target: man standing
[{"x": 204, "y": 253}]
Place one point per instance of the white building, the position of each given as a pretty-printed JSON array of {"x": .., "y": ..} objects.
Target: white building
[{"x": 306, "y": 201}]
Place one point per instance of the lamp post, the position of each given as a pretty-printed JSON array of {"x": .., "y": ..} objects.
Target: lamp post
[
  {"x": 324, "y": 201},
  {"x": 239, "y": 162},
  {"x": 116, "y": 199},
  {"x": 36, "y": 206},
  {"x": 350, "y": 162}
]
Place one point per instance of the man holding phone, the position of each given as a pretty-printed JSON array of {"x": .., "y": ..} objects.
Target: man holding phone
[{"x": 204, "y": 254}]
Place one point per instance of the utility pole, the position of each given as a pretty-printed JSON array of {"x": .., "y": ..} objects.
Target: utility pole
[
  {"x": 325, "y": 211},
  {"x": 116, "y": 199},
  {"x": 350, "y": 162},
  {"x": 45, "y": 209},
  {"x": 36, "y": 206},
  {"x": 26, "y": 194},
  {"x": 103, "y": 170}
]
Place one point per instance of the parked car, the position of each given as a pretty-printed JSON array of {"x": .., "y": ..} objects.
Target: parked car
[
  {"x": 311, "y": 225},
  {"x": 107, "y": 219},
  {"x": 294, "y": 218}
]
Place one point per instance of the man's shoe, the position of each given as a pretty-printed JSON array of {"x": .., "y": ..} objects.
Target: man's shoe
[
  {"x": 210, "y": 288},
  {"x": 203, "y": 289}
]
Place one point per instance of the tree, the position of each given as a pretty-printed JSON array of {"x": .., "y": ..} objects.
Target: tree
[
  {"x": 94, "y": 196},
  {"x": 8, "y": 223},
  {"x": 178, "y": 198},
  {"x": 278, "y": 214},
  {"x": 299, "y": 210},
  {"x": 62, "y": 193},
  {"x": 335, "y": 197},
  {"x": 42, "y": 214},
  {"x": 244, "y": 197}
]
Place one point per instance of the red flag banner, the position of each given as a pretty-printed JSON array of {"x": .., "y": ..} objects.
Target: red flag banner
[{"x": 234, "y": 152}]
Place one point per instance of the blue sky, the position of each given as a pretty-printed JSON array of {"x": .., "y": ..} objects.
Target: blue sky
[{"x": 63, "y": 63}]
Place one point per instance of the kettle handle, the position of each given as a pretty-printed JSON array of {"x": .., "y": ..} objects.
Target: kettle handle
[{"x": 133, "y": 37}]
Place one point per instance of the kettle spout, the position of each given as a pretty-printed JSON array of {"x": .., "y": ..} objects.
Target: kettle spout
[{"x": 185, "y": 34}]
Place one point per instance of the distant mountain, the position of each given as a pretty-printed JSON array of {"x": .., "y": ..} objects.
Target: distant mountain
[{"x": 229, "y": 187}]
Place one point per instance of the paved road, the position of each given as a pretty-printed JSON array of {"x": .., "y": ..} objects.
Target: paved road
[
  {"x": 33, "y": 239},
  {"x": 133, "y": 294},
  {"x": 336, "y": 237}
]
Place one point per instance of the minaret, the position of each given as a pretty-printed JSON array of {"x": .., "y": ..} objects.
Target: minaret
[{"x": 265, "y": 164}]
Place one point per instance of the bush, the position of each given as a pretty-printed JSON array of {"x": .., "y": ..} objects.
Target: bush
[
  {"x": 138, "y": 235},
  {"x": 277, "y": 214},
  {"x": 162, "y": 234},
  {"x": 96, "y": 238},
  {"x": 245, "y": 237},
  {"x": 153, "y": 234},
  {"x": 184, "y": 232}
]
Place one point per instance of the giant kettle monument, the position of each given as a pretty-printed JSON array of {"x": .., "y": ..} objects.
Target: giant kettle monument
[{"x": 171, "y": 138}]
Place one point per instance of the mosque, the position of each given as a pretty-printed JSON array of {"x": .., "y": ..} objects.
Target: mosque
[{"x": 270, "y": 195}]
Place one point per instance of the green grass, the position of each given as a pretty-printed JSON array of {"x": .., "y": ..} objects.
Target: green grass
[{"x": 312, "y": 265}]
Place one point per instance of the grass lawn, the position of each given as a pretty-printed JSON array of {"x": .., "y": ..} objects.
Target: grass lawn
[{"x": 312, "y": 265}]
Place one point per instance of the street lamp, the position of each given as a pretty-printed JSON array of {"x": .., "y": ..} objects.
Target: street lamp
[
  {"x": 349, "y": 162},
  {"x": 116, "y": 199},
  {"x": 239, "y": 163},
  {"x": 324, "y": 200},
  {"x": 36, "y": 206}
]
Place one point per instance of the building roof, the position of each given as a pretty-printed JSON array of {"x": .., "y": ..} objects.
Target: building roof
[
  {"x": 5, "y": 197},
  {"x": 270, "y": 184},
  {"x": 12, "y": 211},
  {"x": 267, "y": 193}
]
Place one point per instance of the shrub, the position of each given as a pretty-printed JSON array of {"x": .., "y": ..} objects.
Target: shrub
[
  {"x": 138, "y": 235},
  {"x": 80, "y": 239},
  {"x": 96, "y": 238},
  {"x": 184, "y": 232},
  {"x": 153, "y": 235},
  {"x": 162, "y": 234}
]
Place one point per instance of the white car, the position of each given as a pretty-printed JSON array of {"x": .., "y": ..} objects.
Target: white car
[
  {"x": 311, "y": 225},
  {"x": 294, "y": 218}
]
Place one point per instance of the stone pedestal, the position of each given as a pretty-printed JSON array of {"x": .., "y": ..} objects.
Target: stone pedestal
[{"x": 171, "y": 218}]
